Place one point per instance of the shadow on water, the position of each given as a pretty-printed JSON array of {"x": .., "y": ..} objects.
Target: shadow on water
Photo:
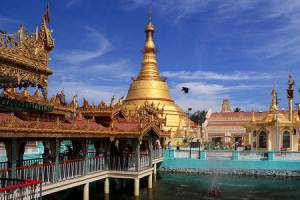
[{"x": 192, "y": 187}]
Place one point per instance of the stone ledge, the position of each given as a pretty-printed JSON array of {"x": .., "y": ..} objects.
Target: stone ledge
[{"x": 241, "y": 172}]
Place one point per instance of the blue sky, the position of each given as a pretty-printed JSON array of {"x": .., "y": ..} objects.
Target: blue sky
[{"x": 219, "y": 49}]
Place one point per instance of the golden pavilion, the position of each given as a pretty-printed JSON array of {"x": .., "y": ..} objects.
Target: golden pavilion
[
  {"x": 277, "y": 130},
  {"x": 31, "y": 120}
]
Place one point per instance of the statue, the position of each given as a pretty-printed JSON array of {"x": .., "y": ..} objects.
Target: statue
[
  {"x": 85, "y": 103},
  {"x": 290, "y": 90},
  {"x": 120, "y": 101},
  {"x": 101, "y": 104},
  {"x": 74, "y": 103},
  {"x": 291, "y": 82},
  {"x": 112, "y": 101},
  {"x": 61, "y": 98}
]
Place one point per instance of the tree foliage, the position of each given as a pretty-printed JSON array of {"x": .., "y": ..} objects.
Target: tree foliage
[
  {"x": 198, "y": 117},
  {"x": 237, "y": 109}
]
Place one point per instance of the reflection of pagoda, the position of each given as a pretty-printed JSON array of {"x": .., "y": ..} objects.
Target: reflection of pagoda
[{"x": 151, "y": 88}]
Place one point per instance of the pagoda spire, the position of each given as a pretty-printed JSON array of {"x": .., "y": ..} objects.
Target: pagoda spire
[
  {"x": 252, "y": 117},
  {"x": 149, "y": 70},
  {"x": 274, "y": 99}
]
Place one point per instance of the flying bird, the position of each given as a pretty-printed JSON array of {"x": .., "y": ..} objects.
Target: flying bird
[{"x": 185, "y": 89}]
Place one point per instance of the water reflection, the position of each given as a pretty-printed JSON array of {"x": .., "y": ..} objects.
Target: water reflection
[
  {"x": 154, "y": 178},
  {"x": 193, "y": 187},
  {"x": 150, "y": 194}
]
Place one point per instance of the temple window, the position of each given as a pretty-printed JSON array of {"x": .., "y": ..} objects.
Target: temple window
[
  {"x": 262, "y": 140},
  {"x": 286, "y": 139}
]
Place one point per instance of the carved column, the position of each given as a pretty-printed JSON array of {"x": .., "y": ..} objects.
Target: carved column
[
  {"x": 53, "y": 149},
  {"x": 162, "y": 142},
  {"x": 137, "y": 154},
  {"x": 56, "y": 153},
  {"x": 150, "y": 146},
  {"x": 14, "y": 157},
  {"x": 20, "y": 149},
  {"x": 97, "y": 145},
  {"x": 8, "y": 148},
  {"x": 85, "y": 147}
]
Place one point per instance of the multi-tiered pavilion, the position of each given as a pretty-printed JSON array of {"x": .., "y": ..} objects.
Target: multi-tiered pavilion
[{"x": 104, "y": 141}]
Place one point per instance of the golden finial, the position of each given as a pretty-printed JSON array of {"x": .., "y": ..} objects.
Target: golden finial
[
  {"x": 274, "y": 99},
  {"x": 252, "y": 117},
  {"x": 149, "y": 70},
  {"x": 47, "y": 13}
]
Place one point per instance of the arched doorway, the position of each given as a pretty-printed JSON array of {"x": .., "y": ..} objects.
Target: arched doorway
[
  {"x": 262, "y": 140},
  {"x": 286, "y": 140}
]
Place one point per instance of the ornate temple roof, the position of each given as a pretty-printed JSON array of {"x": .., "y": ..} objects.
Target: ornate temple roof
[
  {"x": 24, "y": 58},
  {"x": 24, "y": 63}
]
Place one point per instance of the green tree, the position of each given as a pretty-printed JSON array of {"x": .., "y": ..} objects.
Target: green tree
[
  {"x": 237, "y": 109},
  {"x": 198, "y": 117}
]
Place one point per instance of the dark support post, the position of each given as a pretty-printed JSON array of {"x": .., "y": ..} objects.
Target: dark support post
[
  {"x": 150, "y": 157},
  {"x": 14, "y": 158},
  {"x": 56, "y": 166},
  {"x": 137, "y": 155},
  {"x": 86, "y": 157},
  {"x": 199, "y": 150},
  {"x": 41, "y": 195},
  {"x": 191, "y": 149}
]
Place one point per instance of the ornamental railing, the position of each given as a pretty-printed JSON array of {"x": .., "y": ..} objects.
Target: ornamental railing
[
  {"x": 157, "y": 153},
  {"x": 15, "y": 40},
  {"x": 234, "y": 155},
  {"x": 69, "y": 169},
  {"x": 45, "y": 174},
  {"x": 12, "y": 189}
]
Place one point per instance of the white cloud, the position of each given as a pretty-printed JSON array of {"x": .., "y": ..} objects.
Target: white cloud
[
  {"x": 72, "y": 2},
  {"x": 112, "y": 72},
  {"x": 234, "y": 76},
  {"x": 178, "y": 8},
  {"x": 101, "y": 44},
  {"x": 4, "y": 20},
  {"x": 203, "y": 96}
]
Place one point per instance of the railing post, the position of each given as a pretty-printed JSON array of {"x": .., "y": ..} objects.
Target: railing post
[
  {"x": 235, "y": 155},
  {"x": 14, "y": 158},
  {"x": 270, "y": 155},
  {"x": 203, "y": 154},
  {"x": 172, "y": 153},
  {"x": 56, "y": 165}
]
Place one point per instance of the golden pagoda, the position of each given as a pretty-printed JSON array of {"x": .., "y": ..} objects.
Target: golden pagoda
[{"x": 151, "y": 88}]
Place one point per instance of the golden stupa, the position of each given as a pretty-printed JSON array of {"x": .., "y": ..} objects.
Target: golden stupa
[{"x": 150, "y": 88}]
